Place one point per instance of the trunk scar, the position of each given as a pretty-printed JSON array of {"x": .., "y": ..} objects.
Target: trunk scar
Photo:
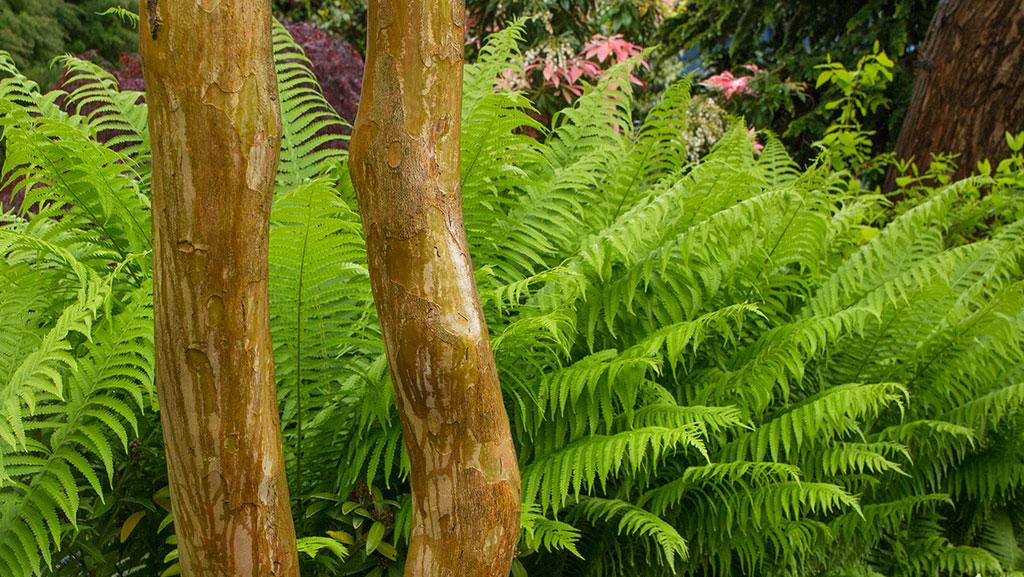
[{"x": 153, "y": 15}]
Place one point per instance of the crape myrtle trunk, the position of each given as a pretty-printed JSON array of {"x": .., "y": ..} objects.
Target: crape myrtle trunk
[
  {"x": 969, "y": 84},
  {"x": 215, "y": 130},
  {"x": 405, "y": 165}
]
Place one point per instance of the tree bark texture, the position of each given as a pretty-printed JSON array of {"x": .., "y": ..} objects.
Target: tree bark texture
[
  {"x": 969, "y": 84},
  {"x": 405, "y": 164},
  {"x": 215, "y": 129}
]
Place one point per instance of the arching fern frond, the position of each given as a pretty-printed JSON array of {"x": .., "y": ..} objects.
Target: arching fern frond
[
  {"x": 833, "y": 414},
  {"x": 312, "y": 132},
  {"x": 591, "y": 461},
  {"x": 117, "y": 118},
  {"x": 636, "y": 522}
]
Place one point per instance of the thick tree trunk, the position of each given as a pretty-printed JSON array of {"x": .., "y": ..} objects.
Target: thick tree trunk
[
  {"x": 215, "y": 128},
  {"x": 969, "y": 84},
  {"x": 405, "y": 164}
]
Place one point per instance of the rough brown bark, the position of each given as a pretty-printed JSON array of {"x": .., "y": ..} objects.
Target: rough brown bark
[
  {"x": 969, "y": 84},
  {"x": 215, "y": 129},
  {"x": 405, "y": 164}
]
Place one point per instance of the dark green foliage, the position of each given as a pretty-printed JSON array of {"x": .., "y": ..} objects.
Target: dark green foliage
[
  {"x": 573, "y": 21},
  {"x": 717, "y": 368},
  {"x": 798, "y": 33},
  {"x": 791, "y": 38},
  {"x": 34, "y": 31},
  {"x": 345, "y": 18}
]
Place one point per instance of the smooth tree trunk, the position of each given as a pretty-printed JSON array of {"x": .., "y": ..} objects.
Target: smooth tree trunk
[
  {"x": 405, "y": 165},
  {"x": 969, "y": 84},
  {"x": 215, "y": 130}
]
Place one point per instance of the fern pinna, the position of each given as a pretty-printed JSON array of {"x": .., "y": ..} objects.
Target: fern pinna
[{"x": 723, "y": 367}]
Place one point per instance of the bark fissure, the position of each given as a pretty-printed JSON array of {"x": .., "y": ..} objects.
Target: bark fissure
[
  {"x": 153, "y": 17},
  {"x": 215, "y": 130},
  {"x": 405, "y": 164}
]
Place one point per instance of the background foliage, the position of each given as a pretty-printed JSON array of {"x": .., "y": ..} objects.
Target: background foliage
[
  {"x": 34, "y": 31},
  {"x": 790, "y": 39}
]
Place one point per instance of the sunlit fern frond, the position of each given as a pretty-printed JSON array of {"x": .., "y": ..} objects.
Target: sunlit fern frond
[
  {"x": 312, "y": 134},
  {"x": 117, "y": 118}
]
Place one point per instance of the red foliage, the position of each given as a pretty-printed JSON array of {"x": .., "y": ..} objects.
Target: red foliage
[
  {"x": 129, "y": 72},
  {"x": 566, "y": 77},
  {"x": 11, "y": 195}
]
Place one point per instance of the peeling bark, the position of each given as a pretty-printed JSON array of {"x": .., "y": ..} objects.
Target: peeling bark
[
  {"x": 968, "y": 86},
  {"x": 405, "y": 164},
  {"x": 215, "y": 129}
]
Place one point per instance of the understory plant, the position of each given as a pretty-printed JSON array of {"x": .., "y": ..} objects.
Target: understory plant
[{"x": 712, "y": 367}]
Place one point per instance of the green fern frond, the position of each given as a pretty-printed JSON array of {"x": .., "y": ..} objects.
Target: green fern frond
[
  {"x": 116, "y": 118},
  {"x": 311, "y": 130},
  {"x": 833, "y": 414},
  {"x": 541, "y": 533},
  {"x": 322, "y": 317},
  {"x": 715, "y": 479},
  {"x": 497, "y": 157},
  {"x": 636, "y": 522},
  {"x": 912, "y": 238},
  {"x": 64, "y": 171},
  {"x": 591, "y": 461},
  {"x": 72, "y": 425},
  {"x": 312, "y": 546}
]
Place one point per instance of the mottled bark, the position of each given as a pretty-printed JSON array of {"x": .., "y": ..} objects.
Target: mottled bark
[
  {"x": 405, "y": 164},
  {"x": 215, "y": 129},
  {"x": 969, "y": 84}
]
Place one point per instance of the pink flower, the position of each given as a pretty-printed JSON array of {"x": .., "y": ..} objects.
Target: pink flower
[
  {"x": 728, "y": 84},
  {"x": 758, "y": 147},
  {"x": 601, "y": 47},
  {"x": 567, "y": 77},
  {"x": 579, "y": 68}
]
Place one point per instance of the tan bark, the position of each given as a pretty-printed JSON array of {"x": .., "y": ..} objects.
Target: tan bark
[
  {"x": 215, "y": 128},
  {"x": 405, "y": 164},
  {"x": 969, "y": 84}
]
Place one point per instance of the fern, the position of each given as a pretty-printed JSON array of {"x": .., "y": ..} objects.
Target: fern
[
  {"x": 591, "y": 461},
  {"x": 321, "y": 311},
  {"x": 636, "y": 522},
  {"x": 311, "y": 129}
]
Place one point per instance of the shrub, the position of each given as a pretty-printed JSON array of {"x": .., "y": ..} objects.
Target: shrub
[
  {"x": 337, "y": 65},
  {"x": 790, "y": 39}
]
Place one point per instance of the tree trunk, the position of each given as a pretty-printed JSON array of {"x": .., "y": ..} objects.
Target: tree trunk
[
  {"x": 969, "y": 84},
  {"x": 405, "y": 164},
  {"x": 215, "y": 128}
]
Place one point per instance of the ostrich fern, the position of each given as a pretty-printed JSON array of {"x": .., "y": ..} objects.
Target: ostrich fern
[{"x": 713, "y": 368}]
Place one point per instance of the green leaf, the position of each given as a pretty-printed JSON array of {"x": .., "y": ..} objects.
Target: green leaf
[{"x": 374, "y": 536}]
